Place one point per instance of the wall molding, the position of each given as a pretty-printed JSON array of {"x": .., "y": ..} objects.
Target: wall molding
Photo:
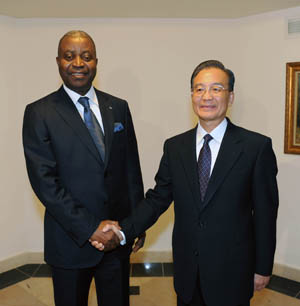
[
  {"x": 20, "y": 260},
  {"x": 286, "y": 271},
  {"x": 139, "y": 257}
]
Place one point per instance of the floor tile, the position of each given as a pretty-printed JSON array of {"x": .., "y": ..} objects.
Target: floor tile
[
  {"x": 11, "y": 277},
  {"x": 44, "y": 270},
  {"x": 93, "y": 295},
  {"x": 134, "y": 290},
  {"x": 284, "y": 285},
  {"x": 269, "y": 297},
  {"x": 40, "y": 288},
  {"x": 154, "y": 291},
  {"x": 17, "y": 296},
  {"x": 168, "y": 269},
  {"x": 29, "y": 269},
  {"x": 146, "y": 269}
]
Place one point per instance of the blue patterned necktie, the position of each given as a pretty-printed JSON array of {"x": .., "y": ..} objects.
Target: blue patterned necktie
[
  {"x": 204, "y": 163},
  {"x": 93, "y": 126}
]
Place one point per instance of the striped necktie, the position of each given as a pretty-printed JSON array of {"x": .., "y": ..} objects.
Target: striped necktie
[
  {"x": 204, "y": 164},
  {"x": 93, "y": 126}
]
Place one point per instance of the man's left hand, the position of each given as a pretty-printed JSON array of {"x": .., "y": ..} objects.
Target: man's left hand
[
  {"x": 260, "y": 281},
  {"x": 139, "y": 243}
]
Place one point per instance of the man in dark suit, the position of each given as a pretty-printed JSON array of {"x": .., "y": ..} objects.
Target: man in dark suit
[
  {"x": 222, "y": 179},
  {"x": 83, "y": 164}
]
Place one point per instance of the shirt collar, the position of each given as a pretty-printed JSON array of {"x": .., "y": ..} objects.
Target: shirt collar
[
  {"x": 91, "y": 94},
  {"x": 217, "y": 133}
]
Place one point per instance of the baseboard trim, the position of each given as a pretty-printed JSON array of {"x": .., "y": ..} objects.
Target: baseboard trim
[
  {"x": 286, "y": 271},
  {"x": 20, "y": 260},
  {"x": 139, "y": 257}
]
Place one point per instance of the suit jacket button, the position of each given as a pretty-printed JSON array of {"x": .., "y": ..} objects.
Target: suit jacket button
[
  {"x": 202, "y": 225},
  {"x": 196, "y": 253}
]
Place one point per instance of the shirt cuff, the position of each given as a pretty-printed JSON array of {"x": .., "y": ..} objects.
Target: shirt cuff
[{"x": 123, "y": 241}]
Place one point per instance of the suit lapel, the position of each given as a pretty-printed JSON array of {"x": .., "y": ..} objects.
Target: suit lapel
[
  {"x": 106, "y": 110},
  {"x": 229, "y": 153},
  {"x": 66, "y": 108},
  {"x": 188, "y": 156}
]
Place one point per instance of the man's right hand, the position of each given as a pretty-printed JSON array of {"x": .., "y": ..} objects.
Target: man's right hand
[{"x": 107, "y": 240}]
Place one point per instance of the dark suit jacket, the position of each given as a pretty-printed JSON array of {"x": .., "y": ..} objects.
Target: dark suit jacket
[
  {"x": 232, "y": 234},
  {"x": 70, "y": 179}
]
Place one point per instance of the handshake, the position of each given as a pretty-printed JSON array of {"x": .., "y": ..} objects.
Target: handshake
[{"x": 108, "y": 236}]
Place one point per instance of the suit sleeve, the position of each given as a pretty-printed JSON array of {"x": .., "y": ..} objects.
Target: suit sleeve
[
  {"x": 135, "y": 182},
  {"x": 265, "y": 206},
  {"x": 44, "y": 178},
  {"x": 156, "y": 202}
]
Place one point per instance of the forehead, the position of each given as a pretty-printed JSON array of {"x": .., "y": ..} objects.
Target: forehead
[
  {"x": 77, "y": 43},
  {"x": 210, "y": 76}
]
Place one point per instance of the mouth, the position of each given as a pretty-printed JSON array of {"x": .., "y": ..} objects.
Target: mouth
[
  {"x": 208, "y": 107},
  {"x": 78, "y": 75}
]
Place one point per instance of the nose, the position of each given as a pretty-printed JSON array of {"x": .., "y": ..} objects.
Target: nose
[
  {"x": 77, "y": 62},
  {"x": 207, "y": 94}
]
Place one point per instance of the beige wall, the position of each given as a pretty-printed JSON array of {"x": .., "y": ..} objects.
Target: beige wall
[
  {"x": 13, "y": 235},
  {"x": 149, "y": 62}
]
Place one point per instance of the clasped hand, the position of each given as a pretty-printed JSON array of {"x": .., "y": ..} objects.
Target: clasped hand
[{"x": 107, "y": 236}]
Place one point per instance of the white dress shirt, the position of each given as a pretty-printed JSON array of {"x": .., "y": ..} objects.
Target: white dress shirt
[
  {"x": 94, "y": 105},
  {"x": 217, "y": 134}
]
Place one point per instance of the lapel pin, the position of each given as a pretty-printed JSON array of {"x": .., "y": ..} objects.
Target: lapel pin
[{"x": 110, "y": 107}]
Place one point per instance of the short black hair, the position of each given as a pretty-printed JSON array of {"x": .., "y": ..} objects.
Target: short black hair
[
  {"x": 214, "y": 64},
  {"x": 76, "y": 33}
]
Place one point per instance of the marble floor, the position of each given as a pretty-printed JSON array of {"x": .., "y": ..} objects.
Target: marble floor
[{"x": 151, "y": 285}]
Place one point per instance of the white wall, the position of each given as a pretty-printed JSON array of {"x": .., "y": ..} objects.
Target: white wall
[
  {"x": 12, "y": 182},
  {"x": 149, "y": 62}
]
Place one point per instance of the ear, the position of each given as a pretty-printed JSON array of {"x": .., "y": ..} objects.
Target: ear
[{"x": 231, "y": 98}]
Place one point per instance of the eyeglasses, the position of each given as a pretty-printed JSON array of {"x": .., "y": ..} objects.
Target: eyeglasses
[{"x": 214, "y": 90}]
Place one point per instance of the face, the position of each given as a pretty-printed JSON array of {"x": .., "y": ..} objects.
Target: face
[
  {"x": 211, "y": 105},
  {"x": 77, "y": 63}
]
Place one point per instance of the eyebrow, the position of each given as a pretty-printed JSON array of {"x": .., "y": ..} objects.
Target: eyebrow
[
  {"x": 72, "y": 51},
  {"x": 216, "y": 83}
]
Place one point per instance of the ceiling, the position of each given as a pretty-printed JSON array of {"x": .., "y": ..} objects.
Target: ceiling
[{"x": 141, "y": 8}]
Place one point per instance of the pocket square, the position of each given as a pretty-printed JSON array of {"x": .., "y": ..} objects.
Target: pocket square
[{"x": 118, "y": 127}]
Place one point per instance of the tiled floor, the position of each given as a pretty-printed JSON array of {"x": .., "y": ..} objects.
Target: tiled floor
[{"x": 151, "y": 285}]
